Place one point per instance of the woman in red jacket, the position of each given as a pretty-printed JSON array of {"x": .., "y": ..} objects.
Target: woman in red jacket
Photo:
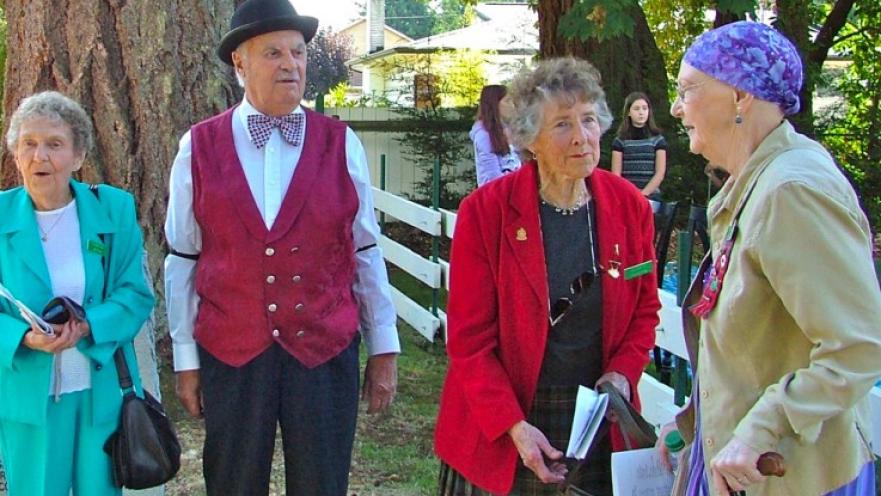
[{"x": 553, "y": 287}]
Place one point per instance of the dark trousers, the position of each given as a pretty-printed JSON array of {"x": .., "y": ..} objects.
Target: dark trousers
[{"x": 316, "y": 409}]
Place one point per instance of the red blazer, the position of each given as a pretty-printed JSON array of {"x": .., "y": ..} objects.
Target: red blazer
[{"x": 498, "y": 314}]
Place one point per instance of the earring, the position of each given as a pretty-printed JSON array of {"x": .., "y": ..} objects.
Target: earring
[{"x": 738, "y": 119}]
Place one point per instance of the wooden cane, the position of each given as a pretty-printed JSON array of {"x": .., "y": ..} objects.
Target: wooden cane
[{"x": 770, "y": 464}]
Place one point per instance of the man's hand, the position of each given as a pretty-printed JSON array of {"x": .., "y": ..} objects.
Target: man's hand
[
  {"x": 533, "y": 447},
  {"x": 735, "y": 467},
  {"x": 380, "y": 382},
  {"x": 188, "y": 387}
]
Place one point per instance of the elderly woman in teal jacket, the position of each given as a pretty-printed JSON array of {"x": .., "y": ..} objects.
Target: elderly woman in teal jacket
[{"x": 59, "y": 392}]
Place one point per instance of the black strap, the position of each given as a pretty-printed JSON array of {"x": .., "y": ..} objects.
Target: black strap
[
  {"x": 172, "y": 251},
  {"x": 365, "y": 248}
]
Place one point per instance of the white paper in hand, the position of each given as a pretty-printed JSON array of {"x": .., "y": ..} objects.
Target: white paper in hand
[
  {"x": 640, "y": 472},
  {"x": 32, "y": 318},
  {"x": 590, "y": 409}
]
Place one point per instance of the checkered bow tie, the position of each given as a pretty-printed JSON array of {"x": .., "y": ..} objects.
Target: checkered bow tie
[{"x": 260, "y": 128}]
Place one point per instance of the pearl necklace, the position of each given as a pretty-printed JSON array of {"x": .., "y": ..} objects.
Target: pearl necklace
[{"x": 571, "y": 209}]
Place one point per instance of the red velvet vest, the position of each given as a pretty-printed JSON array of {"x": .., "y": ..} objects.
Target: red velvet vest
[{"x": 291, "y": 284}]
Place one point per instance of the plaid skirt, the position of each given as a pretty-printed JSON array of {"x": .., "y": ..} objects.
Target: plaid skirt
[{"x": 551, "y": 413}]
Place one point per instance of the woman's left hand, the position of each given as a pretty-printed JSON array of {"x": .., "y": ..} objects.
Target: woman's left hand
[
  {"x": 619, "y": 382},
  {"x": 735, "y": 467},
  {"x": 70, "y": 333}
]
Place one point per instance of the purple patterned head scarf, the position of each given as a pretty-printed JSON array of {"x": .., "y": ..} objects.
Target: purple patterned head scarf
[{"x": 751, "y": 57}]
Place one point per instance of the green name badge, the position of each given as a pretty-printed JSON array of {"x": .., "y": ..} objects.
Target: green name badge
[
  {"x": 638, "y": 270},
  {"x": 96, "y": 247}
]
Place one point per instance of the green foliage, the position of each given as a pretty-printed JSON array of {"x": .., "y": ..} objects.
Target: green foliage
[
  {"x": 328, "y": 53},
  {"x": 411, "y": 17},
  {"x": 453, "y": 14},
  {"x": 436, "y": 133},
  {"x": 852, "y": 128},
  {"x": 421, "y": 18},
  {"x": 675, "y": 24},
  {"x": 598, "y": 19},
  {"x": 736, "y": 7}
]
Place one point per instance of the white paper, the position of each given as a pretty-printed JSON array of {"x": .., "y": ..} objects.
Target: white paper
[
  {"x": 590, "y": 408},
  {"x": 32, "y": 318},
  {"x": 640, "y": 473}
]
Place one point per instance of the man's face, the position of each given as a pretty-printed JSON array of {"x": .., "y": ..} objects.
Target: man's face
[{"x": 273, "y": 67}]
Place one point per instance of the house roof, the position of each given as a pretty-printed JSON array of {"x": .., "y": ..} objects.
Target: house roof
[{"x": 515, "y": 33}]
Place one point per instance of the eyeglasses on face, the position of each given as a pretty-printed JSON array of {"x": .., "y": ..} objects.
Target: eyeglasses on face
[
  {"x": 578, "y": 286},
  {"x": 682, "y": 92}
]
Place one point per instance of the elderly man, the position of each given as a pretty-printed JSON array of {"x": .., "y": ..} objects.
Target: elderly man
[{"x": 273, "y": 270}]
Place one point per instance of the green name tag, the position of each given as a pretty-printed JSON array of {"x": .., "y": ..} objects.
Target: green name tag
[
  {"x": 96, "y": 247},
  {"x": 638, "y": 270}
]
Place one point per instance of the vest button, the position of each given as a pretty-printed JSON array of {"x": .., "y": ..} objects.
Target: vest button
[
  {"x": 275, "y": 333},
  {"x": 299, "y": 307},
  {"x": 296, "y": 278},
  {"x": 301, "y": 333},
  {"x": 98, "y": 366},
  {"x": 270, "y": 279},
  {"x": 272, "y": 307},
  {"x": 90, "y": 300},
  {"x": 295, "y": 249},
  {"x": 269, "y": 252}
]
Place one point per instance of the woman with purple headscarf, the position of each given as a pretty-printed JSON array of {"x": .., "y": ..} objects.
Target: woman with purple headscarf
[{"x": 782, "y": 323}]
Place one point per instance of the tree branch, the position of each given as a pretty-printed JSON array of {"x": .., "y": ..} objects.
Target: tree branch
[{"x": 826, "y": 37}]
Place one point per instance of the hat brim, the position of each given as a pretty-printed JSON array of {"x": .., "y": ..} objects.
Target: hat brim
[{"x": 306, "y": 25}]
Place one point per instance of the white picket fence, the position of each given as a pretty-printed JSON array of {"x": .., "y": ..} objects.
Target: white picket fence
[{"x": 657, "y": 398}]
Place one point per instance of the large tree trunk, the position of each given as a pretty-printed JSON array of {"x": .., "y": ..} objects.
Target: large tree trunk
[
  {"x": 144, "y": 70},
  {"x": 626, "y": 63}
]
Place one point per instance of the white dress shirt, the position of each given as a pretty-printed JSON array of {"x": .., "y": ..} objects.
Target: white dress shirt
[{"x": 268, "y": 171}]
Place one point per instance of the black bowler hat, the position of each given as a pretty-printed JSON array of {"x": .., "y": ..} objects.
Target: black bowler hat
[{"x": 256, "y": 17}]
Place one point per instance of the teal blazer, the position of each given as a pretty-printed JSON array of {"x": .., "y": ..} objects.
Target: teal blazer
[{"x": 108, "y": 230}]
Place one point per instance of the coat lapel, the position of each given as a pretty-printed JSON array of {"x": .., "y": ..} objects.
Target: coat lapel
[
  {"x": 610, "y": 241},
  {"x": 20, "y": 225},
  {"x": 96, "y": 230},
  {"x": 523, "y": 231},
  {"x": 301, "y": 183}
]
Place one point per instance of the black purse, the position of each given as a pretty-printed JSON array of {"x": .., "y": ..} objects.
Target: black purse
[
  {"x": 635, "y": 430},
  {"x": 144, "y": 451}
]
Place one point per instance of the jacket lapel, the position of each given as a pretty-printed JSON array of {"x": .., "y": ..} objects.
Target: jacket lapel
[
  {"x": 523, "y": 231},
  {"x": 20, "y": 225},
  {"x": 610, "y": 241},
  {"x": 304, "y": 177},
  {"x": 96, "y": 230}
]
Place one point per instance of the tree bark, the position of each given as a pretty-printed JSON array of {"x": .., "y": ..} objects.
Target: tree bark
[
  {"x": 626, "y": 63},
  {"x": 144, "y": 70}
]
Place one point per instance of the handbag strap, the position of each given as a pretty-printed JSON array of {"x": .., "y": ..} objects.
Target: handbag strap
[
  {"x": 125, "y": 377},
  {"x": 633, "y": 426},
  {"x": 634, "y": 429}
]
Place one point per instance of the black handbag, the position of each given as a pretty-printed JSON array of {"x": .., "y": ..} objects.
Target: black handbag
[
  {"x": 144, "y": 451},
  {"x": 635, "y": 430}
]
